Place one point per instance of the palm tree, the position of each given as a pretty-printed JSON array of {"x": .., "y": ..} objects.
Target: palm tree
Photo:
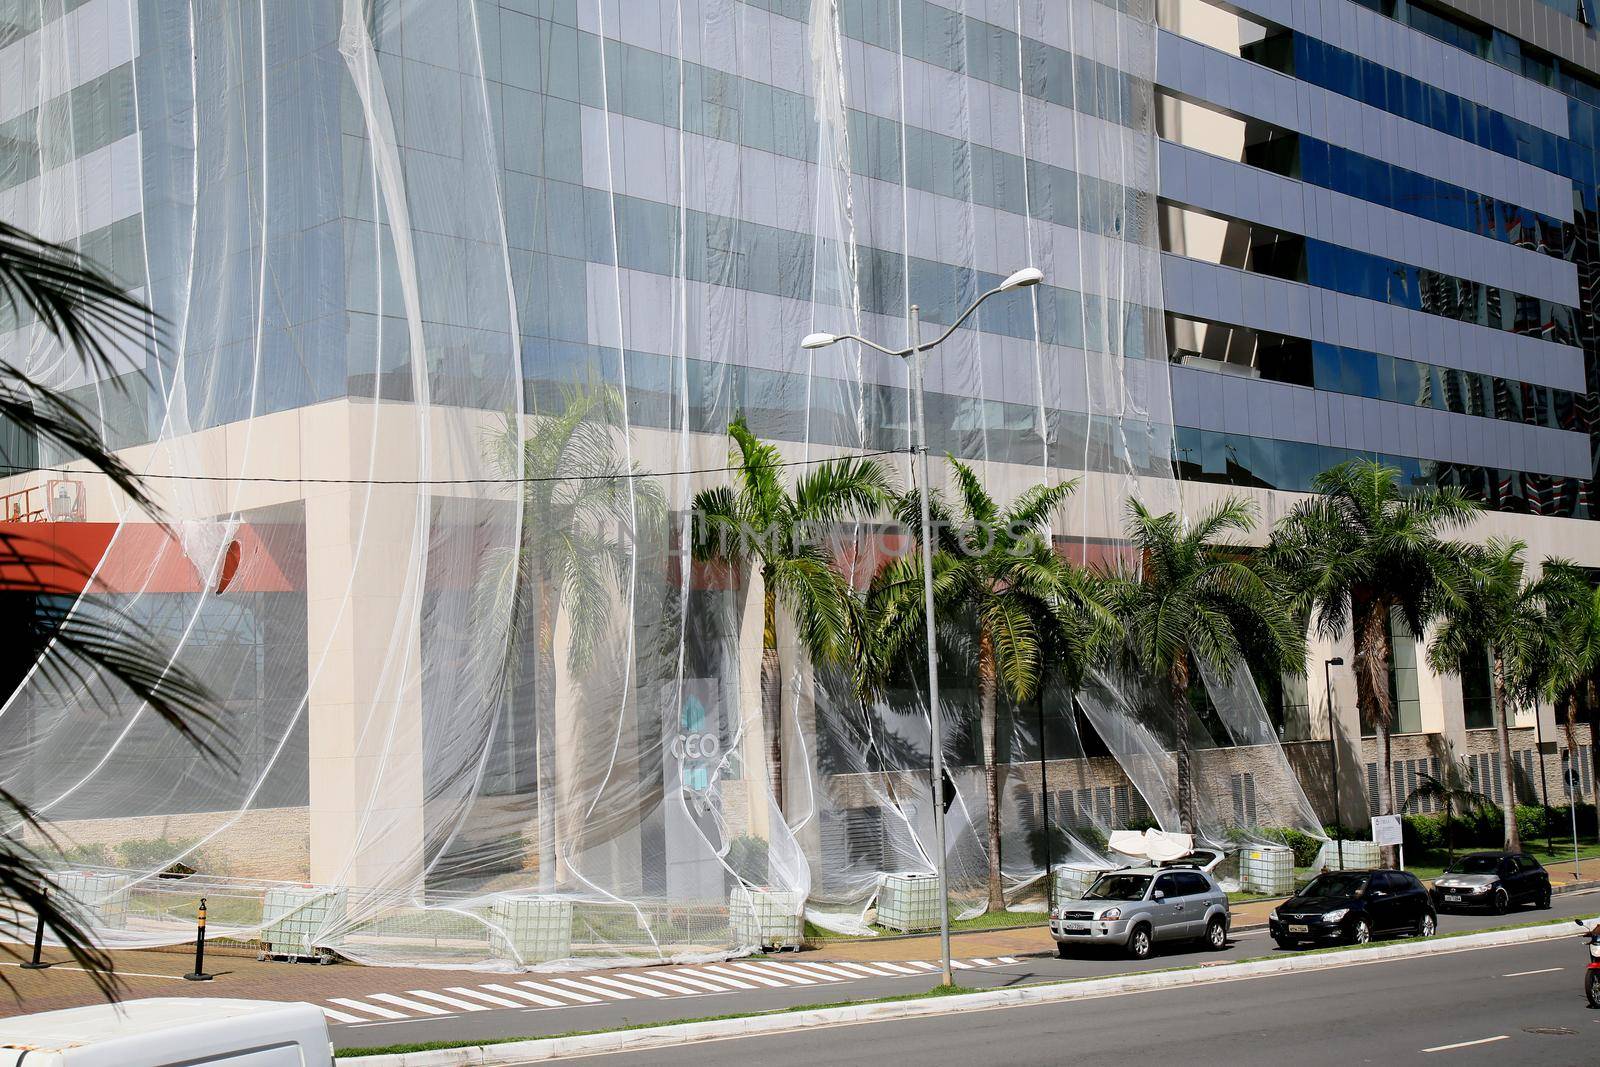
[
  {"x": 1504, "y": 613},
  {"x": 585, "y": 509},
  {"x": 1362, "y": 550},
  {"x": 756, "y": 524},
  {"x": 82, "y": 308},
  {"x": 1571, "y": 645},
  {"x": 1196, "y": 599},
  {"x": 1028, "y": 610},
  {"x": 1452, "y": 790}
]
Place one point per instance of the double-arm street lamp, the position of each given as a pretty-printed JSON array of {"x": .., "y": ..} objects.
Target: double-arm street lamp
[{"x": 913, "y": 350}]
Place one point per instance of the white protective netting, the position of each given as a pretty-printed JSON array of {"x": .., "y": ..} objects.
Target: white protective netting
[{"x": 459, "y": 299}]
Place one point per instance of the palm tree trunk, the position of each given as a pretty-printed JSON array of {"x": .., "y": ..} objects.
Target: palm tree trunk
[
  {"x": 991, "y": 772},
  {"x": 1449, "y": 836},
  {"x": 1570, "y": 725},
  {"x": 1372, "y": 696},
  {"x": 772, "y": 692},
  {"x": 1178, "y": 687},
  {"x": 1503, "y": 735},
  {"x": 544, "y": 719}
]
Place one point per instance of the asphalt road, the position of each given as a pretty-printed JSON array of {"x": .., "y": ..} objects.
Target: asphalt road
[
  {"x": 1515, "y": 1005},
  {"x": 544, "y": 1021}
]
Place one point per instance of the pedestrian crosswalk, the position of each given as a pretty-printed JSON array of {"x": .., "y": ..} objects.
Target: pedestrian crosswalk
[{"x": 656, "y": 983}]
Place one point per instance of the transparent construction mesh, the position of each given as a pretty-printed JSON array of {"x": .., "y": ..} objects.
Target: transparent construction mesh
[{"x": 458, "y": 300}]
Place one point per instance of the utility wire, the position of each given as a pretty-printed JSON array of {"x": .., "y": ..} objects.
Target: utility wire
[{"x": 13, "y": 470}]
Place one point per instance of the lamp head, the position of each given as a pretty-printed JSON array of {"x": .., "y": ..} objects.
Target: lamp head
[
  {"x": 1021, "y": 279},
  {"x": 1337, "y": 661},
  {"x": 817, "y": 340}
]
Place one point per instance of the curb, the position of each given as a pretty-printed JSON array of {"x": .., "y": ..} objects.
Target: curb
[{"x": 545, "y": 1049}]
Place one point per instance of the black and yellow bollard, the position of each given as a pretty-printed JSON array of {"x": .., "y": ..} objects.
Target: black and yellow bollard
[
  {"x": 37, "y": 964},
  {"x": 199, "y": 974}
]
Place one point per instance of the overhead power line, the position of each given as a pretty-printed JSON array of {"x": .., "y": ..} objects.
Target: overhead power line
[{"x": 624, "y": 476}]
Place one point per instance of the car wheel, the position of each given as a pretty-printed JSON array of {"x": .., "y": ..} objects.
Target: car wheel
[
  {"x": 1502, "y": 901},
  {"x": 1360, "y": 932},
  {"x": 1544, "y": 898},
  {"x": 1286, "y": 942},
  {"x": 1216, "y": 935},
  {"x": 1140, "y": 946},
  {"x": 1427, "y": 925},
  {"x": 1061, "y": 951}
]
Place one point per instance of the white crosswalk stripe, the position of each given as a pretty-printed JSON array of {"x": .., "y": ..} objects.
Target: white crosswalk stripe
[
  {"x": 899, "y": 968},
  {"x": 754, "y": 972},
  {"x": 487, "y": 998},
  {"x": 664, "y": 983},
  {"x": 704, "y": 982},
  {"x": 660, "y": 983},
  {"x": 370, "y": 1009},
  {"x": 532, "y": 998},
  {"x": 870, "y": 969},
  {"x": 626, "y": 987},
  {"x": 440, "y": 998},
  {"x": 581, "y": 987},
  {"x": 554, "y": 992},
  {"x": 722, "y": 981},
  {"x": 409, "y": 1005}
]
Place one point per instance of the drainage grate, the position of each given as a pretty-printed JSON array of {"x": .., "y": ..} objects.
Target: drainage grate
[{"x": 1550, "y": 1031}]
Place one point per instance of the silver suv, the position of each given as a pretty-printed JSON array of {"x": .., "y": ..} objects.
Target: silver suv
[{"x": 1139, "y": 906}]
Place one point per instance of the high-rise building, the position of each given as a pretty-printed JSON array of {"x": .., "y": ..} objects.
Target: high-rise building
[
  {"x": 456, "y": 301},
  {"x": 1378, "y": 234}
]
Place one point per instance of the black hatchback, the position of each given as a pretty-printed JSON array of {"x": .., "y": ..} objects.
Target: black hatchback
[
  {"x": 1354, "y": 907},
  {"x": 1492, "y": 880}
]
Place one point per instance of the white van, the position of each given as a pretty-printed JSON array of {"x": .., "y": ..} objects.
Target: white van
[{"x": 167, "y": 1031}]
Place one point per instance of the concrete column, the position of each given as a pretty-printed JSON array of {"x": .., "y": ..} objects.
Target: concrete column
[{"x": 364, "y": 551}]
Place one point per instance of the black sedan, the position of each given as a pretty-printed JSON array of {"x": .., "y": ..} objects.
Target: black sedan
[
  {"x": 1493, "y": 880},
  {"x": 1353, "y": 907}
]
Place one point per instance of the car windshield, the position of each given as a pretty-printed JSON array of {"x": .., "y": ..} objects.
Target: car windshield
[
  {"x": 1335, "y": 885},
  {"x": 1119, "y": 887},
  {"x": 1475, "y": 865}
]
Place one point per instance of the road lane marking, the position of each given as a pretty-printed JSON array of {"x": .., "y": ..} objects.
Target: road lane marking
[
  {"x": 525, "y": 995},
  {"x": 409, "y": 1005},
  {"x": 625, "y": 987},
  {"x": 602, "y": 990},
  {"x": 925, "y": 966},
  {"x": 1009, "y": 959},
  {"x": 370, "y": 1009},
  {"x": 553, "y": 991},
  {"x": 450, "y": 1002},
  {"x": 339, "y": 1016},
  {"x": 1524, "y": 974},
  {"x": 1467, "y": 1044},
  {"x": 487, "y": 998},
  {"x": 986, "y": 963}
]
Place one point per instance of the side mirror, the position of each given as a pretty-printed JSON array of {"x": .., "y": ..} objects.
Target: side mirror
[{"x": 1159, "y": 895}]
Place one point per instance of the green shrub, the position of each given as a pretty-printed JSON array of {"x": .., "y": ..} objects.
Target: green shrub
[
  {"x": 156, "y": 854},
  {"x": 91, "y": 855},
  {"x": 747, "y": 855},
  {"x": 1304, "y": 846},
  {"x": 1424, "y": 832},
  {"x": 1530, "y": 821}
]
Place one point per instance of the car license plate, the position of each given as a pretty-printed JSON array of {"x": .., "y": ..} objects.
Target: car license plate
[
  {"x": 1076, "y": 928},
  {"x": 1453, "y": 898},
  {"x": 1299, "y": 929}
]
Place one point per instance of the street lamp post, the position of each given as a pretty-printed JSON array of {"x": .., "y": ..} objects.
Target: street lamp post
[
  {"x": 913, "y": 351},
  {"x": 1333, "y": 740}
]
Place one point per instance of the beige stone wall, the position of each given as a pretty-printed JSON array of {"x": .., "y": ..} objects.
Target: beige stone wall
[{"x": 268, "y": 843}]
